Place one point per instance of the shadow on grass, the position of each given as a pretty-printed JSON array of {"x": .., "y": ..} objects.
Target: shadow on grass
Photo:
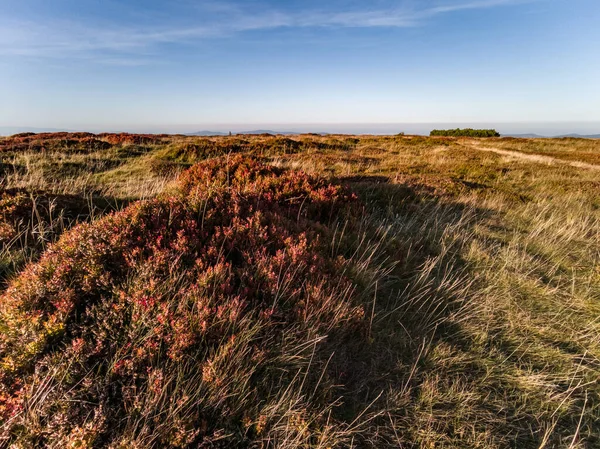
[
  {"x": 425, "y": 366},
  {"x": 419, "y": 379},
  {"x": 31, "y": 221}
]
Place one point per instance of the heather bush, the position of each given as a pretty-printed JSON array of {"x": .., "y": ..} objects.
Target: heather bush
[
  {"x": 131, "y": 139},
  {"x": 208, "y": 316},
  {"x": 82, "y": 142},
  {"x": 54, "y": 142}
]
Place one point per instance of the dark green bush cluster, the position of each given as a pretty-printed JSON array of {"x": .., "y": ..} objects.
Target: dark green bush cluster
[{"x": 467, "y": 132}]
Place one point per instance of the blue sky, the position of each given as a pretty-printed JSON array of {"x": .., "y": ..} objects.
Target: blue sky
[{"x": 183, "y": 65}]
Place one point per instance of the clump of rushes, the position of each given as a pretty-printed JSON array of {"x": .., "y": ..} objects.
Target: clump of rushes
[
  {"x": 22, "y": 211},
  {"x": 203, "y": 318},
  {"x": 29, "y": 221}
]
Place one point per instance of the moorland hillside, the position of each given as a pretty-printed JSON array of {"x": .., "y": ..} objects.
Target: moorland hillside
[{"x": 299, "y": 291}]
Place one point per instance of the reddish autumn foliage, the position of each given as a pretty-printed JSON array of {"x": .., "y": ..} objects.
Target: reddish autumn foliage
[
  {"x": 74, "y": 142},
  {"x": 176, "y": 317},
  {"x": 126, "y": 138},
  {"x": 62, "y": 142}
]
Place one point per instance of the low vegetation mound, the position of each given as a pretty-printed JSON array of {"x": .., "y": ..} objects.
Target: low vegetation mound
[
  {"x": 183, "y": 154},
  {"x": 131, "y": 139},
  {"x": 200, "y": 149},
  {"x": 468, "y": 132},
  {"x": 81, "y": 142},
  {"x": 54, "y": 142},
  {"x": 197, "y": 319}
]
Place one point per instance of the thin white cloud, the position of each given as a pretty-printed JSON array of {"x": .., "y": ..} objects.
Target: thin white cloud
[
  {"x": 67, "y": 39},
  {"x": 481, "y": 4}
]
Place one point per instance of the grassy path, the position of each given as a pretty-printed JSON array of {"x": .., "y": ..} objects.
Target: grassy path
[{"x": 536, "y": 157}]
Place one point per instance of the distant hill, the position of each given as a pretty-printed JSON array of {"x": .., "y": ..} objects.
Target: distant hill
[
  {"x": 581, "y": 136},
  {"x": 524, "y": 136},
  {"x": 265, "y": 131},
  {"x": 10, "y": 130},
  {"x": 207, "y": 133},
  {"x": 253, "y": 132},
  {"x": 538, "y": 136}
]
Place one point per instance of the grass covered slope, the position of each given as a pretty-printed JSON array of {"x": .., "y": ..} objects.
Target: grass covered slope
[{"x": 446, "y": 296}]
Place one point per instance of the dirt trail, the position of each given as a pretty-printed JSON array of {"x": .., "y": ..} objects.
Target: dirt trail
[{"x": 536, "y": 157}]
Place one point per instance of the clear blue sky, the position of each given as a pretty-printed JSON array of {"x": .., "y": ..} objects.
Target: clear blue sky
[{"x": 184, "y": 64}]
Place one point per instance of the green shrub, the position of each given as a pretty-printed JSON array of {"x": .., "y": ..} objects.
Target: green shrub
[{"x": 468, "y": 132}]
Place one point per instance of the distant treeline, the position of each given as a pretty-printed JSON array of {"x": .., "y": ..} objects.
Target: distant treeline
[{"x": 468, "y": 132}]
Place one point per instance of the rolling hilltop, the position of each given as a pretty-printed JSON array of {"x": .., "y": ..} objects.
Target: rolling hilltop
[{"x": 299, "y": 291}]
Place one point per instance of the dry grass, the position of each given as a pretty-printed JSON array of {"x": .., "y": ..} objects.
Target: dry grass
[
  {"x": 481, "y": 281},
  {"x": 569, "y": 149}
]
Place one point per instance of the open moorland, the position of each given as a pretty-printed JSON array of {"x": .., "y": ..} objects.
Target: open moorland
[{"x": 299, "y": 292}]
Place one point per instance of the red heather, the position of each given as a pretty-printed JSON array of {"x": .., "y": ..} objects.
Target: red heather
[{"x": 218, "y": 280}]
